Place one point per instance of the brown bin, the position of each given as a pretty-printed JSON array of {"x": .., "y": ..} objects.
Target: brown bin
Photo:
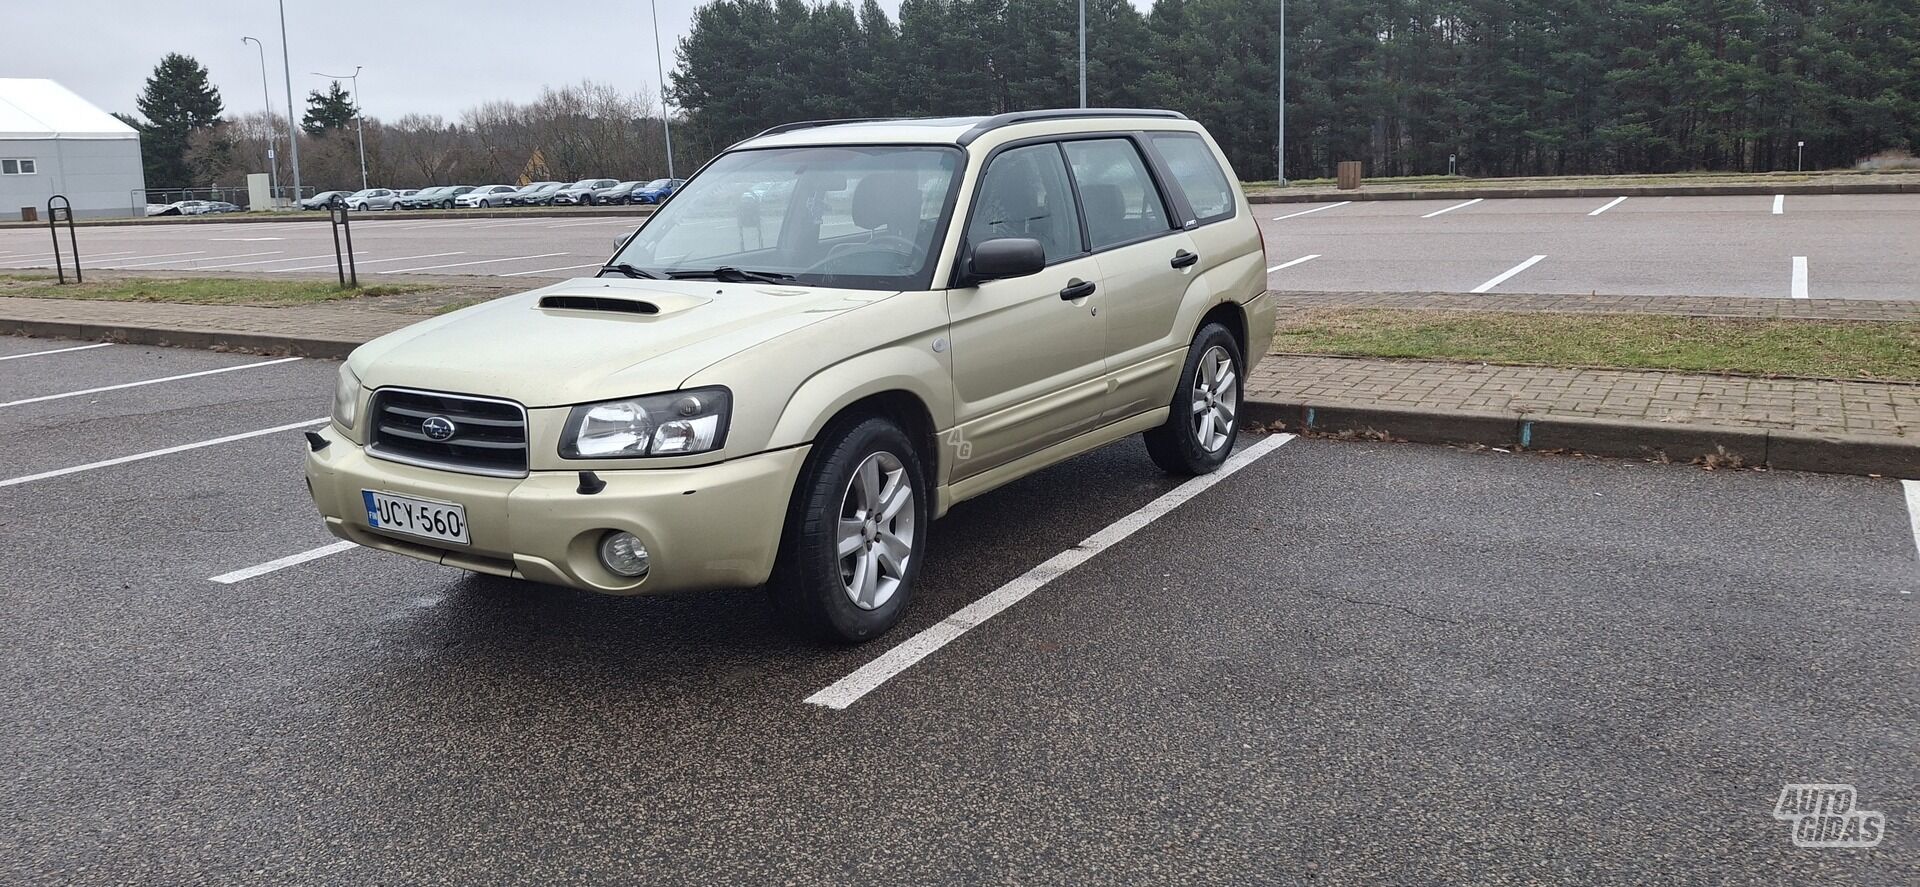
[
  {"x": 29, "y": 214},
  {"x": 1349, "y": 174}
]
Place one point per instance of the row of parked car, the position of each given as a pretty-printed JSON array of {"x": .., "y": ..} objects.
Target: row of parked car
[
  {"x": 191, "y": 208},
  {"x": 586, "y": 192}
]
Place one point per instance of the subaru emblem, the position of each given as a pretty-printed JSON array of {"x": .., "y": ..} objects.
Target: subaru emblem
[{"x": 437, "y": 428}]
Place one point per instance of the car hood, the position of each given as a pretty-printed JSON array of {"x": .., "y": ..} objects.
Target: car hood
[{"x": 557, "y": 355}]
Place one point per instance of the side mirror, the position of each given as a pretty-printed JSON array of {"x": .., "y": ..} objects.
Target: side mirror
[
  {"x": 1004, "y": 257},
  {"x": 620, "y": 240}
]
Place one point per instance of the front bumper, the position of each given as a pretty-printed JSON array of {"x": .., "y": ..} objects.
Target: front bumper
[{"x": 714, "y": 526}]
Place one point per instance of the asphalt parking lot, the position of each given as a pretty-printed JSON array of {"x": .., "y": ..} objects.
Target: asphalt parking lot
[
  {"x": 1346, "y": 662},
  {"x": 1814, "y": 246}
]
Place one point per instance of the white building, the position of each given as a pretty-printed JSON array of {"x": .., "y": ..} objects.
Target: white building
[{"x": 55, "y": 142}]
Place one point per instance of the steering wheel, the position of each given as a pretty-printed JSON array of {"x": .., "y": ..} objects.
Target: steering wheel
[{"x": 891, "y": 243}]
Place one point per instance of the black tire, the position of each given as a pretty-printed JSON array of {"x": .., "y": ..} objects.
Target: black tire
[
  {"x": 1177, "y": 446},
  {"x": 810, "y": 583},
  {"x": 485, "y": 205}
]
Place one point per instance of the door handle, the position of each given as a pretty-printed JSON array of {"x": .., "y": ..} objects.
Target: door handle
[
  {"x": 1078, "y": 289},
  {"x": 1183, "y": 258}
]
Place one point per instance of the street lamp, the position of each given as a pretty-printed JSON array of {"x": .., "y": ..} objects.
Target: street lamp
[
  {"x": 293, "y": 129},
  {"x": 660, "y": 67},
  {"x": 273, "y": 167},
  {"x": 1083, "y": 53},
  {"x": 1280, "y": 149},
  {"x": 359, "y": 117}
]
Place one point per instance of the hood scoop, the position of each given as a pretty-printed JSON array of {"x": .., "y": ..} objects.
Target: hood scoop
[
  {"x": 599, "y": 303},
  {"x": 623, "y": 299}
]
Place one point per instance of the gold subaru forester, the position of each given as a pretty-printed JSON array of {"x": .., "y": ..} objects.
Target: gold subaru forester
[{"x": 831, "y": 334}]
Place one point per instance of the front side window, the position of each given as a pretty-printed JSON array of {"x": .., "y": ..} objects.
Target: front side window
[
  {"x": 1196, "y": 173},
  {"x": 1116, "y": 192},
  {"x": 856, "y": 216},
  {"x": 1025, "y": 193}
]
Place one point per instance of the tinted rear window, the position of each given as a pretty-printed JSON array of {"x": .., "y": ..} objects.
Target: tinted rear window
[{"x": 1196, "y": 174}]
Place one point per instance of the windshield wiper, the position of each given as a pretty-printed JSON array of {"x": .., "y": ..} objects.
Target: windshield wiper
[
  {"x": 628, "y": 270},
  {"x": 730, "y": 274}
]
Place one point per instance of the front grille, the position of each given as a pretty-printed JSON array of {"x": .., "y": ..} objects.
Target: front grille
[{"x": 489, "y": 436}]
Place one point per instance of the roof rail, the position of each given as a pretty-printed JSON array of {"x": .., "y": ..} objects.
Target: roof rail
[
  {"x": 1000, "y": 120},
  {"x": 810, "y": 124}
]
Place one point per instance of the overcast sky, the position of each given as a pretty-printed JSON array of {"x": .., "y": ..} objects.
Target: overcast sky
[{"x": 426, "y": 56}]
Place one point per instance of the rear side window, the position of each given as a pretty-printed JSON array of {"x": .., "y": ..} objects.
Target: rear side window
[
  {"x": 1196, "y": 174},
  {"x": 1025, "y": 194},
  {"x": 1117, "y": 194}
]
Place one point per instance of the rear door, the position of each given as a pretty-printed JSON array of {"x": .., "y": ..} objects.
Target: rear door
[
  {"x": 1146, "y": 266},
  {"x": 1028, "y": 354}
]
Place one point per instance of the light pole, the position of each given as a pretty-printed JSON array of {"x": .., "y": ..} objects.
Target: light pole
[
  {"x": 1083, "y": 53},
  {"x": 660, "y": 67},
  {"x": 1280, "y": 150},
  {"x": 273, "y": 167},
  {"x": 293, "y": 128},
  {"x": 359, "y": 117}
]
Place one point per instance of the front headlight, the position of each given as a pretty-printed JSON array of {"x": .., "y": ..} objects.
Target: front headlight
[
  {"x": 674, "y": 424},
  {"x": 346, "y": 398}
]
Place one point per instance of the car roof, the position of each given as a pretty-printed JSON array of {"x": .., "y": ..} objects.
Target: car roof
[{"x": 949, "y": 130}]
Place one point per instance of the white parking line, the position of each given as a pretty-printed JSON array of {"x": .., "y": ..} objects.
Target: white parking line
[
  {"x": 1610, "y": 205},
  {"x": 55, "y": 351},
  {"x": 1293, "y": 263},
  {"x": 1502, "y": 277},
  {"x": 264, "y": 262},
  {"x": 1314, "y": 210},
  {"x": 271, "y": 252},
  {"x": 244, "y": 366},
  {"x": 1800, "y": 277},
  {"x": 281, "y": 563},
  {"x": 1779, "y": 204},
  {"x": 1913, "y": 514},
  {"x": 465, "y": 264},
  {"x": 550, "y": 270},
  {"x": 367, "y": 262},
  {"x": 1440, "y": 212},
  {"x": 106, "y": 463},
  {"x": 194, "y": 252},
  {"x": 869, "y": 677},
  {"x": 630, "y": 220}
]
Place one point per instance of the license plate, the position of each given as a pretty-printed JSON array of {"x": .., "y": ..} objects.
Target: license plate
[{"x": 439, "y": 521}]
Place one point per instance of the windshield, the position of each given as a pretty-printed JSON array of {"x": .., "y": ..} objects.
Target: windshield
[
  {"x": 856, "y": 216},
  {"x": 657, "y": 183}
]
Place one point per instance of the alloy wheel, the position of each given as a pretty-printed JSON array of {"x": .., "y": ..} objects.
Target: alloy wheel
[
  {"x": 1216, "y": 397},
  {"x": 875, "y": 539}
]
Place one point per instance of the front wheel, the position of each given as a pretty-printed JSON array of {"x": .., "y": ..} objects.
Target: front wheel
[
  {"x": 1205, "y": 415},
  {"x": 486, "y": 205},
  {"x": 856, "y": 533}
]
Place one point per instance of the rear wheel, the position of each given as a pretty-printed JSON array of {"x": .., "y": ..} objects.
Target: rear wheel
[
  {"x": 1205, "y": 415},
  {"x": 856, "y": 533}
]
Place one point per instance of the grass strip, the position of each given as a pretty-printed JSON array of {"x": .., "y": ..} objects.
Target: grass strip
[
  {"x": 1878, "y": 350},
  {"x": 194, "y": 290}
]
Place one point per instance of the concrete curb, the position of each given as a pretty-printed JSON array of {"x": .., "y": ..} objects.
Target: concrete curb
[
  {"x": 1728, "y": 446},
  {"x": 562, "y": 212},
  {"x": 1731, "y": 189},
  {"x": 174, "y": 337}
]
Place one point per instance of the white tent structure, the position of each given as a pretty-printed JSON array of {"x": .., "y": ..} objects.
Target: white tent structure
[{"x": 55, "y": 142}]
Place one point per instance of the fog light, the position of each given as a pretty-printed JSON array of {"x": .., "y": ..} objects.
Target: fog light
[{"x": 623, "y": 554}]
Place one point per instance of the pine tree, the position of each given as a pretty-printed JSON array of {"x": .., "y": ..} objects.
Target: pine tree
[
  {"x": 332, "y": 109},
  {"x": 177, "y": 101}
]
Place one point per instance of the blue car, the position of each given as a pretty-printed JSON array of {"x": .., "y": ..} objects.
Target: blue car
[{"x": 655, "y": 191}]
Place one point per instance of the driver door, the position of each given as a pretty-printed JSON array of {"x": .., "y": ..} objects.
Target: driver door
[{"x": 1028, "y": 352}]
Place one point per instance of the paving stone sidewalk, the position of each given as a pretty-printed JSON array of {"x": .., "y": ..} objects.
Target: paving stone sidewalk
[{"x": 1888, "y": 410}]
